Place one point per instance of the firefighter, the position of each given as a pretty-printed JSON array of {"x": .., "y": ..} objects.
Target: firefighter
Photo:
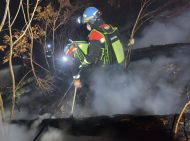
[
  {"x": 75, "y": 55},
  {"x": 106, "y": 44}
]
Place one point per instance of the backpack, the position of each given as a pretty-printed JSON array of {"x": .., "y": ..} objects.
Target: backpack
[{"x": 113, "y": 52}]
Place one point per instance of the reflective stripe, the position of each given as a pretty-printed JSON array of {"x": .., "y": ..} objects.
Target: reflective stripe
[
  {"x": 87, "y": 19},
  {"x": 76, "y": 77},
  {"x": 71, "y": 50},
  {"x": 102, "y": 40},
  {"x": 86, "y": 62}
]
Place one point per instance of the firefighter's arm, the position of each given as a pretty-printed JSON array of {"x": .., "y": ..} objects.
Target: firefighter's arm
[
  {"x": 94, "y": 51},
  {"x": 74, "y": 66},
  {"x": 74, "y": 63}
]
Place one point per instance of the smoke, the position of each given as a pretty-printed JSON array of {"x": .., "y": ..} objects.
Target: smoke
[
  {"x": 52, "y": 135},
  {"x": 16, "y": 132},
  {"x": 19, "y": 132},
  {"x": 5, "y": 75},
  {"x": 148, "y": 88},
  {"x": 167, "y": 31}
]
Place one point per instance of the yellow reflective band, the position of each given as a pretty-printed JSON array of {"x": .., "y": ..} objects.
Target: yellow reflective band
[
  {"x": 102, "y": 40},
  {"x": 87, "y": 19},
  {"x": 76, "y": 77},
  {"x": 85, "y": 61}
]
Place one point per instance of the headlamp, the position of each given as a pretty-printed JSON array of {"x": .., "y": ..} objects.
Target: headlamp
[
  {"x": 96, "y": 16},
  {"x": 65, "y": 58},
  {"x": 49, "y": 45},
  {"x": 79, "y": 20}
]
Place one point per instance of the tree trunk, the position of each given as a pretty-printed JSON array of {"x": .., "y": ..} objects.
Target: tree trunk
[
  {"x": 11, "y": 67},
  {"x": 2, "y": 110}
]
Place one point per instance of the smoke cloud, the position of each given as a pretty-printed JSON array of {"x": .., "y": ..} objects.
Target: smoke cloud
[
  {"x": 148, "y": 88},
  {"x": 167, "y": 31},
  {"x": 5, "y": 75}
]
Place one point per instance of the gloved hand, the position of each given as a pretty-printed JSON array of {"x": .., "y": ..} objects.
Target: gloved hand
[
  {"x": 77, "y": 83},
  {"x": 84, "y": 63},
  {"x": 131, "y": 41}
]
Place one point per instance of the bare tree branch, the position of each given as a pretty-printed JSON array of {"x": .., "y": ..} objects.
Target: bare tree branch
[
  {"x": 17, "y": 13},
  {"x": 2, "y": 110},
  {"x": 11, "y": 67},
  {"x": 5, "y": 14},
  {"x": 22, "y": 80},
  {"x": 39, "y": 66},
  {"x": 28, "y": 23}
]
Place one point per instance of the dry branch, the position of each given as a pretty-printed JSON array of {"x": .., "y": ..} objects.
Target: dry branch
[
  {"x": 133, "y": 32},
  {"x": 28, "y": 23},
  {"x": 139, "y": 19},
  {"x": 2, "y": 110},
  {"x": 17, "y": 13},
  {"x": 11, "y": 67},
  {"x": 39, "y": 66},
  {"x": 22, "y": 80},
  {"x": 38, "y": 80},
  {"x": 5, "y": 14},
  {"x": 188, "y": 103}
]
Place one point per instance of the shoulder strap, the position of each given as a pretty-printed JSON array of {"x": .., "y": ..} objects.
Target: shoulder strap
[{"x": 110, "y": 49}]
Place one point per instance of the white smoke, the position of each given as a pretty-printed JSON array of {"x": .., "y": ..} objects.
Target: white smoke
[
  {"x": 18, "y": 132},
  {"x": 5, "y": 75},
  {"x": 147, "y": 88},
  {"x": 52, "y": 135},
  {"x": 167, "y": 31}
]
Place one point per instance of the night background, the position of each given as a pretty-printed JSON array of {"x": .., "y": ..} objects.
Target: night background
[{"x": 142, "y": 103}]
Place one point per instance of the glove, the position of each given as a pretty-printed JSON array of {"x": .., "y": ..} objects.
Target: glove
[
  {"x": 131, "y": 41},
  {"x": 84, "y": 63},
  {"x": 77, "y": 84}
]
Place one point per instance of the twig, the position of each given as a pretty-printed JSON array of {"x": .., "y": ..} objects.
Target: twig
[
  {"x": 5, "y": 14},
  {"x": 31, "y": 53},
  {"x": 135, "y": 28},
  {"x": 17, "y": 13},
  {"x": 188, "y": 103},
  {"x": 39, "y": 65},
  {"x": 17, "y": 106},
  {"x": 28, "y": 23},
  {"x": 55, "y": 86},
  {"x": 2, "y": 110},
  {"x": 132, "y": 33},
  {"x": 24, "y": 15},
  {"x": 22, "y": 80}
]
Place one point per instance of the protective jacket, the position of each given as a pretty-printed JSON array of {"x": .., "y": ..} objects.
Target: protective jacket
[
  {"x": 106, "y": 45},
  {"x": 76, "y": 54}
]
